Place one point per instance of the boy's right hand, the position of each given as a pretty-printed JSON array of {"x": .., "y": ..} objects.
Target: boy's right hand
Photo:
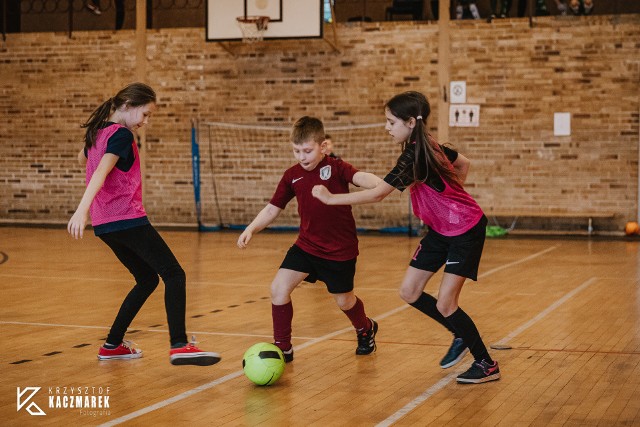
[
  {"x": 244, "y": 238},
  {"x": 321, "y": 193}
]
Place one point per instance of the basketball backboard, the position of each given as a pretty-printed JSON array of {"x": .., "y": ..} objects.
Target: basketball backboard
[{"x": 287, "y": 18}]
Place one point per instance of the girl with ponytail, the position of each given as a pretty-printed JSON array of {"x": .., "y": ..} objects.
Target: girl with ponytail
[
  {"x": 435, "y": 176},
  {"x": 113, "y": 197}
]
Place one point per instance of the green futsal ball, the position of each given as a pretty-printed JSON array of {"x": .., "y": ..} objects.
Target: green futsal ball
[{"x": 263, "y": 363}]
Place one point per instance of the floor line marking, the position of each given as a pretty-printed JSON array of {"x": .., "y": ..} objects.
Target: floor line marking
[
  {"x": 230, "y": 334},
  {"x": 307, "y": 286},
  {"x": 446, "y": 380},
  {"x": 418, "y": 400},
  {"x": 236, "y": 374},
  {"x": 548, "y": 310},
  {"x": 196, "y": 282},
  {"x": 207, "y": 386},
  {"x": 520, "y": 261}
]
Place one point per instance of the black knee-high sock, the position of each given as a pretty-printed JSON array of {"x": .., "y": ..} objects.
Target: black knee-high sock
[
  {"x": 427, "y": 304},
  {"x": 467, "y": 330}
]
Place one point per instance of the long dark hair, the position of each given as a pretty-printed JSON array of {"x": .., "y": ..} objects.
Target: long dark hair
[
  {"x": 133, "y": 95},
  {"x": 428, "y": 154}
]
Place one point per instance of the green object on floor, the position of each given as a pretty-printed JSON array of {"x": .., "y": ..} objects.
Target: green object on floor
[{"x": 496, "y": 231}]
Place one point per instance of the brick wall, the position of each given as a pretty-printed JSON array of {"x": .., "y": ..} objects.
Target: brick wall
[{"x": 519, "y": 75}]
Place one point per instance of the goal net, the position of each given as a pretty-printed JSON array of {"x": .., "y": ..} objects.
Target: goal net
[{"x": 236, "y": 169}]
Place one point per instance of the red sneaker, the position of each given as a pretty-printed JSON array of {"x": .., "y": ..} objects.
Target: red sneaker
[
  {"x": 192, "y": 355},
  {"x": 124, "y": 351}
]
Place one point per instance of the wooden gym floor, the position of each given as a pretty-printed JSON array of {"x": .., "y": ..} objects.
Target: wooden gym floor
[{"x": 569, "y": 308}]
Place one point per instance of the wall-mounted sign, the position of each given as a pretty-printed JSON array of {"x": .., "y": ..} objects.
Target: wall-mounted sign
[
  {"x": 458, "y": 92},
  {"x": 464, "y": 115}
]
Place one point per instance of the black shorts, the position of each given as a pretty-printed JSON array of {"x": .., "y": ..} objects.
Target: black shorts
[
  {"x": 337, "y": 275},
  {"x": 459, "y": 254}
]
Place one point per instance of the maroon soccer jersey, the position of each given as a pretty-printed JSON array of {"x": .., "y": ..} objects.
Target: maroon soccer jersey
[{"x": 325, "y": 231}]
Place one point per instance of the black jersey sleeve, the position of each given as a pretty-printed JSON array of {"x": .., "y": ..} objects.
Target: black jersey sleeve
[
  {"x": 400, "y": 177},
  {"x": 451, "y": 154},
  {"x": 120, "y": 143}
]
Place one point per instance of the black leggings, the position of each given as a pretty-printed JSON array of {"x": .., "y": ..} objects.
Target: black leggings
[{"x": 147, "y": 256}]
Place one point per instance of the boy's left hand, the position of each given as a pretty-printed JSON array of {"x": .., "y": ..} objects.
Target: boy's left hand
[{"x": 321, "y": 193}]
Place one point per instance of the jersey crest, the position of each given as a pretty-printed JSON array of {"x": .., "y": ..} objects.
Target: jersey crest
[{"x": 325, "y": 172}]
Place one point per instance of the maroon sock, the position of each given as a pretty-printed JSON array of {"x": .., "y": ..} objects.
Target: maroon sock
[
  {"x": 282, "y": 317},
  {"x": 358, "y": 317}
]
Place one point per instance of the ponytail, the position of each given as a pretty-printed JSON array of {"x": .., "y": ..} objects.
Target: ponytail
[
  {"x": 133, "y": 95},
  {"x": 428, "y": 155},
  {"x": 96, "y": 121}
]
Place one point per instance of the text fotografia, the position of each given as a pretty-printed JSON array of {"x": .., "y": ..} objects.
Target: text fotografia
[{"x": 85, "y": 398}]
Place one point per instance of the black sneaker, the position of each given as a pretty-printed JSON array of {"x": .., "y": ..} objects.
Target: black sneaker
[
  {"x": 288, "y": 355},
  {"x": 480, "y": 372},
  {"x": 367, "y": 340},
  {"x": 455, "y": 354}
]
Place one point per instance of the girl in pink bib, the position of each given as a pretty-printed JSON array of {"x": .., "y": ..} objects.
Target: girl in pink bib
[
  {"x": 435, "y": 175},
  {"x": 113, "y": 197}
]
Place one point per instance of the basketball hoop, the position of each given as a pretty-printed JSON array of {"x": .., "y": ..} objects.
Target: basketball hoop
[{"x": 253, "y": 27}]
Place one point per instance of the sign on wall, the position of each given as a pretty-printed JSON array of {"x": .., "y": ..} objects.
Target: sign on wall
[
  {"x": 458, "y": 92},
  {"x": 562, "y": 124},
  {"x": 464, "y": 115}
]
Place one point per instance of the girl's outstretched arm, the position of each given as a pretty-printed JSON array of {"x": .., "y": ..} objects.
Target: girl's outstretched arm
[
  {"x": 372, "y": 195},
  {"x": 366, "y": 180}
]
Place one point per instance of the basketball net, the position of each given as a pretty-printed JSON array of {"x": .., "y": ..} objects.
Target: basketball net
[{"x": 253, "y": 27}]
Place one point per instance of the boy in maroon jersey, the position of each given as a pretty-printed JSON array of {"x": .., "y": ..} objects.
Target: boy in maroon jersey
[{"x": 327, "y": 246}]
